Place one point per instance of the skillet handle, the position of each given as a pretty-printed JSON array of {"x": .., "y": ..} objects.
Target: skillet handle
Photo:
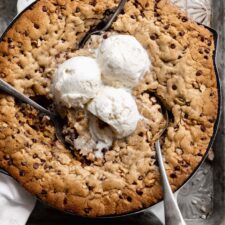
[{"x": 173, "y": 215}]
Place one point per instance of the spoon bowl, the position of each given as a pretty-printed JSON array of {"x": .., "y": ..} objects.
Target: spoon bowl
[{"x": 55, "y": 118}]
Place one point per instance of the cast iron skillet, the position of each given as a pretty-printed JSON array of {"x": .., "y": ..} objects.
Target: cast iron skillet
[{"x": 216, "y": 126}]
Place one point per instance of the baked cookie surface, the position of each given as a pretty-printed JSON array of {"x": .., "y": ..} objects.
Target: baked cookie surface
[{"x": 127, "y": 178}]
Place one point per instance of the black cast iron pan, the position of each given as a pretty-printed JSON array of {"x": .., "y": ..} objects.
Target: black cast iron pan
[{"x": 216, "y": 126}]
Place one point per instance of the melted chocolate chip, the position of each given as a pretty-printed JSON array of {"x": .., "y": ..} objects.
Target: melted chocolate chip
[
  {"x": 105, "y": 36},
  {"x": 65, "y": 201},
  {"x": 36, "y": 166},
  {"x": 139, "y": 192},
  {"x": 203, "y": 128},
  {"x": 199, "y": 73},
  {"x": 129, "y": 199},
  {"x": 93, "y": 2},
  {"x": 6, "y": 157},
  {"x": 36, "y": 26},
  {"x": 10, "y": 40},
  {"x": 87, "y": 210},
  {"x": 173, "y": 175},
  {"x": 22, "y": 173},
  {"x": 167, "y": 26},
  {"x": 44, "y": 192},
  {"x": 35, "y": 156},
  {"x": 174, "y": 87},
  {"x": 173, "y": 46},
  {"x": 24, "y": 163},
  {"x": 181, "y": 33},
  {"x": 184, "y": 19},
  {"x": 154, "y": 36},
  {"x": 44, "y": 8},
  {"x": 77, "y": 10}
]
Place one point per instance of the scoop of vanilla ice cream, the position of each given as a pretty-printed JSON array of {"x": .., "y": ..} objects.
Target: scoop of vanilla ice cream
[
  {"x": 102, "y": 135},
  {"x": 98, "y": 140},
  {"x": 77, "y": 81},
  {"x": 117, "y": 108},
  {"x": 123, "y": 61}
]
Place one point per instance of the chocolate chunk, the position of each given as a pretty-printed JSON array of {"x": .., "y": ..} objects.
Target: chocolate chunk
[
  {"x": 181, "y": 33},
  {"x": 44, "y": 8},
  {"x": 184, "y": 19},
  {"x": 36, "y": 166},
  {"x": 173, "y": 46},
  {"x": 35, "y": 155},
  {"x": 139, "y": 192},
  {"x": 87, "y": 210},
  {"x": 199, "y": 73},
  {"x": 22, "y": 173},
  {"x": 77, "y": 10},
  {"x": 44, "y": 192}
]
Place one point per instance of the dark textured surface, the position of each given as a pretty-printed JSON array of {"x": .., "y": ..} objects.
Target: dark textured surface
[
  {"x": 212, "y": 210},
  {"x": 8, "y": 11}
]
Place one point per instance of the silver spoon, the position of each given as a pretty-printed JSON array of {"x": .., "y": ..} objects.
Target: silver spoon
[
  {"x": 55, "y": 118},
  {"x": 173, "y": 215},
  {"x": 105, "y": 26}
]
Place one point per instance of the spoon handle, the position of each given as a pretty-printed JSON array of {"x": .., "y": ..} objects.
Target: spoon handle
[
  {"x": 10, "y": 90},
  {"x": 173, "y": 215},
  {"x": 106, "y": 26},
  {"x": 3, "y": 172},
  {"x": 117, "y": 12}
]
